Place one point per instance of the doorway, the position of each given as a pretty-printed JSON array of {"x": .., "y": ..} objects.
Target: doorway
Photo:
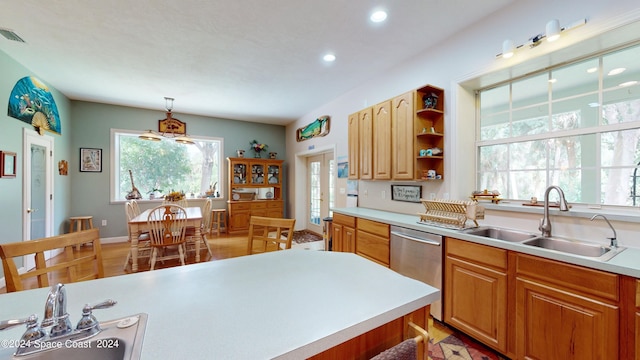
[
  {"x": 38, "y": 188},
  {"x": 320, "y": 199}
]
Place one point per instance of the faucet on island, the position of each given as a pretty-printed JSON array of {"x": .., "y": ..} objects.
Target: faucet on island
[
  {"x": 55, "y": 311},
  {"x": 56, "y": 317},
  {"x": 545, "y": 222}
]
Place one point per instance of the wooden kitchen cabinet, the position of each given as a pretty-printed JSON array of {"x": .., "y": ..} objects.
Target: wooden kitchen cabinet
[
  {"x": 402, "y": 132},
  {"x": 565, "y": 311},
  {"x": 429, "y": 132},
  {"x": 475, "y": 296},
  {"x": 372, "y": 241},
  {"x": 354, "y": 146},
  {"x": 385, "y": 141},
  {"x": 382, "y": 141},
  {"x": 343, "y": 233},
  {"x": 365, "y": 127}
]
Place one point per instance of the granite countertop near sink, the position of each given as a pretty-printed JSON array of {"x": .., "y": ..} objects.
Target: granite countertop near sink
[
  {"x": 624, "y": 263},
  {"x": 281, "y": 305}
]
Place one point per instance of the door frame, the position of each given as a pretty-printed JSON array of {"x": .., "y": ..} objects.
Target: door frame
[
  {"x": 32, "y": 137},
  {"x": 300, "y": 182}
]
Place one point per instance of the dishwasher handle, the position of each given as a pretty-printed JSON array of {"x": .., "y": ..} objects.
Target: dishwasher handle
[{"x": 413, "y": 238}]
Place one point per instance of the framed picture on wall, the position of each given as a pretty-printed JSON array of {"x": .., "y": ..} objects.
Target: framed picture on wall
[
  {"x": 90, "y": 160},
  {"x": 8, "y": 161}
]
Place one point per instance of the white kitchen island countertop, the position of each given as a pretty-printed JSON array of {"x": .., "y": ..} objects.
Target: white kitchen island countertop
[{"x": 287, "y": 304}]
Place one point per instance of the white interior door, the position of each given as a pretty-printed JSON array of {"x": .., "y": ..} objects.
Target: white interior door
[
  {"x": 320, "y": 184},
  {"x": 38, "y": 188}
]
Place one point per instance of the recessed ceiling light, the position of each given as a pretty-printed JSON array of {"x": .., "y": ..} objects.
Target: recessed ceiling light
[
  {"x": 329, "y": 58},
  {"x": 593, "y": 104},
  {"x": 378, "y": 16},
  {"x": 616, "y": 71},
  {"x": 553, "y": 80},
  {"x": 628, "y": 83},
  {"x": 592, "y": 70}
]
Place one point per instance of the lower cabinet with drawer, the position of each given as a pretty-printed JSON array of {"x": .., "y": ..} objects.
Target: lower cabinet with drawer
[
  {"x": 565, "y": 311},
  {"x": 372, "y": 241},
  {"x": 475, "y": 296},
  {"x": 240, "y": 212},
  {"x": 343, "y": 233}
]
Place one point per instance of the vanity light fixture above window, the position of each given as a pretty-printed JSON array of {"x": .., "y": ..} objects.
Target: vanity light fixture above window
[{"x": 553, "y": 31}]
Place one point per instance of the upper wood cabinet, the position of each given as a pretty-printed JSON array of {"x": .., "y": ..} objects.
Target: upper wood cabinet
[
  {"x": 382, "y": 141},
  {"x": 365, "y": 126},
  {"x": 402, "y": 112},
  {"x": 429, "y": 131},
  {"x": 354, "y": 146},
  {"x": 389, "y": 141}
]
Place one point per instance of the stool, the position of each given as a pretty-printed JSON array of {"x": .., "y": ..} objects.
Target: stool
[
  {"x": 79, "y": 223},
  {"x": 219, "y": 219}
]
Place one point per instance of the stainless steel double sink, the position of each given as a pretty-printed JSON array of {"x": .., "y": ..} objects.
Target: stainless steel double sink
[{"x": 567, "y": 246}]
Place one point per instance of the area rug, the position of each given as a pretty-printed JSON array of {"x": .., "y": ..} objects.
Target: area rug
[
  {"x": 305, "y": 236},
  {"x": 448, "y": 344}
]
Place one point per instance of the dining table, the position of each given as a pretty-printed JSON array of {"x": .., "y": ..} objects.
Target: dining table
[{"x": 140, "y": 224}]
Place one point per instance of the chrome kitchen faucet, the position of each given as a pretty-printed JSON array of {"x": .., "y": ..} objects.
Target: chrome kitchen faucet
[{"x": 545, "y": 223}]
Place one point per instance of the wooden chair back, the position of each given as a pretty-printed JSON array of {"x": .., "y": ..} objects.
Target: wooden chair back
[
  {"x": 167, "y": 225},
  {"x": 69, "y": 261},
  {"x": 136, "y": 208},
  {"x": 269, "y": 233},
  {"x": 206, "y": 216}
]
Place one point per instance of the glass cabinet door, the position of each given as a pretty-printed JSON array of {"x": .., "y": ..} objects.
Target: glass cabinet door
[
  {"x": 257, "y": 174},
  {"x": 239, "y": 173},
  {"x": 274, "y": 174}
]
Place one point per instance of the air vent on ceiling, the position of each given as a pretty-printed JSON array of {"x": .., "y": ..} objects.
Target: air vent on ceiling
[{"x": 10, "y": 35}]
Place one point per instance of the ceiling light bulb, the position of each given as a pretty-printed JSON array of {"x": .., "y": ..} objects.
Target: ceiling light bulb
[
  {"x": 329, "y": 58},
  {"x": 553, "y": 80},
  {"x": 592, "y": 70},
  {"x": 378, "y": 16},
  {"x": 616, "y": 71},
  {"x": 628, "y": 83},
  {"x": 553, "y": 30},
  {"x": 507, "y": 49}
]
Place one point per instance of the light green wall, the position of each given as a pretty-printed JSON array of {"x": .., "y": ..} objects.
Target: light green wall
[
  {"x": 86, "y": 124},
  {"x": 11, "y": 139},
  {"x": 92, "y": 123}
]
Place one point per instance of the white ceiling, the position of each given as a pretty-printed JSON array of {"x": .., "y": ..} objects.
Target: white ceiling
[{"x": 251, "y": 60}]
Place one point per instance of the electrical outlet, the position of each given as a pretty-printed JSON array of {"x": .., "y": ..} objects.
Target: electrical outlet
[
  {"x": 446, "y": 196},
  {"x": 432, "y": 196},
  {"x": 383, "y": 194},
  {"x": 343, "y": 191},
  {"x": 104, "y": 222}
]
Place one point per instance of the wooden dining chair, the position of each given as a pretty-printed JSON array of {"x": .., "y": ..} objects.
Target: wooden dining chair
[
  {"x": 136, "y": 207},
  {"x": 167, "y": 230},
  {"x": 205, "y": 229},
  {"x": 75, "y": 265},
  {"x": 268, "y": 232},
  {"x": 144, "y": 248}
]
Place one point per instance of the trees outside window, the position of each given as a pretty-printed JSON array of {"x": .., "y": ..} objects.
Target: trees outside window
[
  {"x": 165, "y": 166},
  {"x": 575, "y": 126}
]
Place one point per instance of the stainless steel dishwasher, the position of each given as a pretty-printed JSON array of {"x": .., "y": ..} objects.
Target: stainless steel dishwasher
[{"x": 418, "y": 255}]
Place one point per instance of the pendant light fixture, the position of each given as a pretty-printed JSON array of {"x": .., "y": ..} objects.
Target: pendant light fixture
[{"x": 169, "y": 128}]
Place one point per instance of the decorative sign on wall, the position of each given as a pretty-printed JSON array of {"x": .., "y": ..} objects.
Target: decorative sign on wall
[
  {"x": 410, "y": 193},
  {"x": 31, "y": 102},
  {"x": 319, "y": 127}
]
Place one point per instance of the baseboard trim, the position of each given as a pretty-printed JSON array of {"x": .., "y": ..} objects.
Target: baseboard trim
[{"x": 114, "y": 240}]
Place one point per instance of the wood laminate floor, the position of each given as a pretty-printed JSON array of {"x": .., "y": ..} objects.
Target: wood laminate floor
[{"x": 113, "y": 256}]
